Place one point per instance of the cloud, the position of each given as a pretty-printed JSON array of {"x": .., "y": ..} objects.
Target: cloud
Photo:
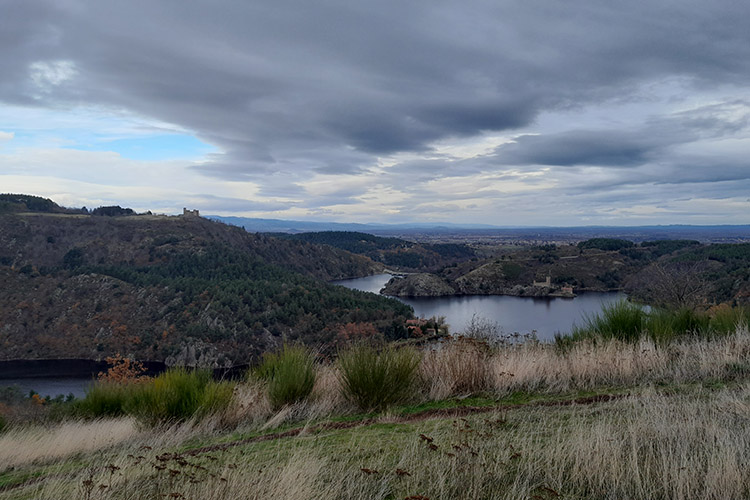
[
  {"x": 291, "y": 91},
  {"x": 578, "y": 147}
]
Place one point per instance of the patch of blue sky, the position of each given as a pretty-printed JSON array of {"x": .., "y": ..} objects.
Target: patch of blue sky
[
  {"x": 97, "y": 129},
  {"x": 151, "y": 147}
]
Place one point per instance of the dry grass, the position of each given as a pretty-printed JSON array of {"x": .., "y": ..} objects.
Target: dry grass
[
  {"x": 458, "y": 368},
  {"x": 688, "y": 446},
  {"x": 30, "y": 444},
  {"x": 687, "y": 442},
  {"x": 251, "y": 408},
  {"x": 659, "y": 447},
  {"x": 463, "y": 367}
]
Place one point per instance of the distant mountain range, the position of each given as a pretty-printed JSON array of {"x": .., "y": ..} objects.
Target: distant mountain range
[
  {"x": 705, "y": 233},
  {"x": 297, "y": 226}
]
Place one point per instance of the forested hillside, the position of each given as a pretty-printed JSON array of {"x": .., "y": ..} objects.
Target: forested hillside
[
  {"x": 177, "y": 288},
  {"x": 394, "y": 252},
  {"x": 672, "y": 273}
]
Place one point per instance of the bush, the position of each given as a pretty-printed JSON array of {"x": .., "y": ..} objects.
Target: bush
[
  {"x": 179, "y": 394},
  {"x": 290, "y": 375},
  {"x": 661, "y": 326},
  {"x": 629, "y": 322},
  {"x": 174, "y": 395},
  {"x": 374, "y": 379},
  {"x": 105, "y": 399},
  {"x": 727, "y": 319},
  {"x": 620, "y": 320}
]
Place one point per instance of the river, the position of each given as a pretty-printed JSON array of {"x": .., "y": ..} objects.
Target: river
[{"x": 543, "y": 316}]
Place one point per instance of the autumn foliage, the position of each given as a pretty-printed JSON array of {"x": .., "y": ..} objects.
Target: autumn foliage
[{"x": 123, "y": 370}]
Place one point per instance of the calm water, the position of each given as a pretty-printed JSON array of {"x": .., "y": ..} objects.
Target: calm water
[
  {"x": 545, "y": 316},
  {"x": 49, "y": 386}
]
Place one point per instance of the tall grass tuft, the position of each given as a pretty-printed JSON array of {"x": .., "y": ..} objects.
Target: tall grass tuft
[
  {"x": 105, "y": 399},
  {"x": 376, "y": 379},
  {"x": 179, "y": 394},
  {"x": 725, "y": 320},
  {"x": 174, "y": 395},
  {"x": 621, "y": 320},
  {"x": 629, "y": 323},
  {"x": 290, "y": 375},
  {"x": 460, "y": 367}
]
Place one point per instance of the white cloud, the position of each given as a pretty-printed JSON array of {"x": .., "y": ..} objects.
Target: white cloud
[{"x": 48, "y": 74}]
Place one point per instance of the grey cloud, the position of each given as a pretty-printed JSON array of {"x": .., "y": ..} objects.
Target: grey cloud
[
  {"x": 291, "y": 88},
  {"x": 210, "y": 203},
  {"x": 234, "y": 68},
  {"x": 627, "y": 147},
  {"x": 578, "y": 147}
]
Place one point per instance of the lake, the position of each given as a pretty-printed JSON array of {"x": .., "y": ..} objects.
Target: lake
[
  {"x": 545, "y": 316},
  {"x": 52, "y": 377},
  {"x": 50, "y": 386}
]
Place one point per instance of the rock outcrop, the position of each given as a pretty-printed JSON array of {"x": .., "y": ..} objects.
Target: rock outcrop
[{"x": 418, "y": 285}]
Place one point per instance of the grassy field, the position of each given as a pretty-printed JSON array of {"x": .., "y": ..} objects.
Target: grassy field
[{"x": 598, "y": 419}]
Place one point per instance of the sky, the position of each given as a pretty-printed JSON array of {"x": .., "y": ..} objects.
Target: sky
[{"x": 498, "y": 112}]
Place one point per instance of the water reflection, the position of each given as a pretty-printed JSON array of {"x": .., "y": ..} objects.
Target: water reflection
[{"x": 545, "y": 316}]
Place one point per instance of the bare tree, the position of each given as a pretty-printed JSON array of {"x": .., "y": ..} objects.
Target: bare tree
[{"x": 675, "y": 284}]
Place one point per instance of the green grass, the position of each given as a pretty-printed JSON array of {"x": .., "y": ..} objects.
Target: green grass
[
  {"x": 621, "y": 320},
  {"x": 179, "y": 394},
  {"x": 290, "y": 375},
  {"x": 376, "y": 379},
  {"x": 105, "y": 399},
  {"x": 476, "y": 401},
  {"x": 726, "y": 319},
  {"x": 630, "y": 322}
]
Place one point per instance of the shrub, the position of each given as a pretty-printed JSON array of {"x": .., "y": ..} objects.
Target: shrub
[
  {"x": 690, "y": 322},
  {"x": 104, "y": 398},
  {"x": 661, "y": 326},
  {"x": 176, "y": 394},
  {"x": 726, "y": 320},
  {"x": 123, "y": 370},
  {"x": 374, "y": 379},
  {"x": 217, "y": 397},
  {"x": 620, "y": 320},
  {"x": 290, "y": 375},
  {"x": 628, "y": 322}
]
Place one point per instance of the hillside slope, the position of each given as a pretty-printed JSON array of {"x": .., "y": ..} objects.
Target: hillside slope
[
  {"x": 182, "y": 289},
  {"x": 395, "y": 253}
]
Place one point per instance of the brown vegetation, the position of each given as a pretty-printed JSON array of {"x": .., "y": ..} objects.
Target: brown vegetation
[{"x": 675, "y": 427}]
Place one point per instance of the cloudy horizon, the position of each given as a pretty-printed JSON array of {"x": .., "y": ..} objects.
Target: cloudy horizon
[{"x": 490, "y": 112}]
